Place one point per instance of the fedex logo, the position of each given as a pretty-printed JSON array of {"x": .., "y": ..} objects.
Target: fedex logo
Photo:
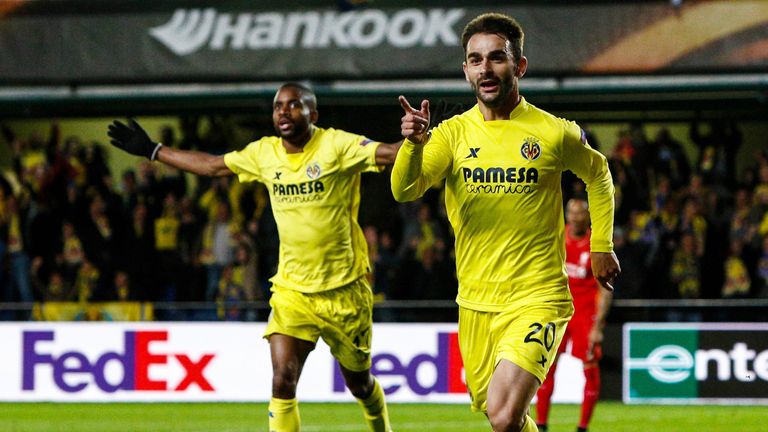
[
  {"x": 447, "y": 365},
  {"x": 73, "y": 371}
]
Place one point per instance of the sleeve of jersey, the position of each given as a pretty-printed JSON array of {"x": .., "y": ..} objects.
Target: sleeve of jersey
[
  {"x": 356, "y": 152},
  {"x": 592, "y": 167},
  {"x": 244, "y": 163},
  {"x": 418, "y": 167}
]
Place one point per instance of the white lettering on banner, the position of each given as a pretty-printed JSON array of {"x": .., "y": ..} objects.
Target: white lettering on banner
[
  {"x": 226, "y": 29},
  {"x": 187, "y": 31},
  {"x": 266, "y": 32},
  {"x": 672, "y": 363},
  {"x": 190, "y": 30}
]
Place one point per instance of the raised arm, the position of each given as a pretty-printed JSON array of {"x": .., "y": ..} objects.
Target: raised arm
[
  {"x": 132, "y": 139},
  {"x": 417, "y": 166}
]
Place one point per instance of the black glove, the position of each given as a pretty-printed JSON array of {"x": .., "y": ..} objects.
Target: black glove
[{"x": 133, "y": 139}]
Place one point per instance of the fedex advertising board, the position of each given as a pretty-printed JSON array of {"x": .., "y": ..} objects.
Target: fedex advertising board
[{"x": 106, "y": 362}]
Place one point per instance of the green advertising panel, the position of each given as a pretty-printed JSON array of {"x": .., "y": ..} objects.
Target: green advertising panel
[{"x": 696, "y": 363}]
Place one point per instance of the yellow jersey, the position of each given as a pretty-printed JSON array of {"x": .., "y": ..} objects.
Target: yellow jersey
[
  {"x": 315, "y": 197},
  {"x": 504, "y": 200}
]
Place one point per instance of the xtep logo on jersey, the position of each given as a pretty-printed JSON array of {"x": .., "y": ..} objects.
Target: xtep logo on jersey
[
  {"x": 73, "y": 372},
  {"x": 277, "y": 175},
  {"x": 388, "y": 367},
  {"x": 473, "y": 152},
  {"x": 190, "y": 30}
]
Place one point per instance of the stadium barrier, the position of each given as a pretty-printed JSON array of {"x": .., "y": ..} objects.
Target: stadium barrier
[{"x": 163, "y": 361}]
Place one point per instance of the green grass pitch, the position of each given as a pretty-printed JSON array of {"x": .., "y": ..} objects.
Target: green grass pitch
[{"x": 223, "y": 417}]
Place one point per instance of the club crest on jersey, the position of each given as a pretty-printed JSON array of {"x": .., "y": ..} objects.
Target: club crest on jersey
[
  {"x": 531, "y": 150},
  {"x": 313, "y": 171}
]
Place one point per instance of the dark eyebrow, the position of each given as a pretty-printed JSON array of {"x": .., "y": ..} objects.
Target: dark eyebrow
[
  {"x": 493, "y": 53},
  {"x": 288, "y": 101}
]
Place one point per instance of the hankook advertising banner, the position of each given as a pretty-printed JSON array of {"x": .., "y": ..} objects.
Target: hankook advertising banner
[{"x": 236, "y": 40}]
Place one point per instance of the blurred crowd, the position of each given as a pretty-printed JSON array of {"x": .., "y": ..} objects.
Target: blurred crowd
[{"x": 71, "y": 230}]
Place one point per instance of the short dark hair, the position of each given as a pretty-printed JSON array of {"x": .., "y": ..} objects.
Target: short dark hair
[
  {"x": 499, "y": 24},
  {"x": 307, "y": 94}
]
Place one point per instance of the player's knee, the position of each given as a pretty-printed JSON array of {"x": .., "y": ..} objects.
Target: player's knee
[
  {"x": 284, "y": 381},
  {"x": 507, "y": 420},
  {"x": 360, "y": 387}
]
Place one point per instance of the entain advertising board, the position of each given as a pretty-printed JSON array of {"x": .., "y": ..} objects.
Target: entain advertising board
[{"x": 696, "y": 363}]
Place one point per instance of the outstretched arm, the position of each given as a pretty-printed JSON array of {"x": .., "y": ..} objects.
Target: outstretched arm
[
  {"x": 196, "y": 162},
  {"x": 134, "y": 140},
  {"x": 386, "y": 153}
]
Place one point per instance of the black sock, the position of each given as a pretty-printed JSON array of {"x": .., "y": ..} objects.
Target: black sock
[
  {"x": 581, "y": 429},
  {"x": 542, "y": 427}
]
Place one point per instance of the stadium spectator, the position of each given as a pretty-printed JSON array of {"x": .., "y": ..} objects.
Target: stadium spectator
[
  {"x": 386, "y": 269},
  {"x": 19, "y": 285},
  {"x": 320, "y": 288},
  {"x": 169, "y": 264},
  {"x": 737, "y": 280},
  {"x": 140, "y": 252},
  {"x": 585, "y": 330},
  {"x": 685, "y": 271},
  {"x": 72, "y": 252},
  {"x": 509, "y": 281},
  {"x": 669, "y": 159},
  {"x": 218, "y": 248},
  {"x": 230, "y": 293},
  {"x": 762, "y": 270},
  {"x": 122, "y": 286},
  {"x": 245, "y": 272},
  {"x": 717, "y": 152}
]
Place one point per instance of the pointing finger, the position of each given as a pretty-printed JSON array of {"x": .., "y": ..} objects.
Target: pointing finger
[{"x": 404, "y": 103}]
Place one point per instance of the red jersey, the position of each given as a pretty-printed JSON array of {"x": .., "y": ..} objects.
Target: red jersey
[{"x": 578, "y": 264}]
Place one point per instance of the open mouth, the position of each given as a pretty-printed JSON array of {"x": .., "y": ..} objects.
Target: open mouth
[
  {"x": 284, "y": 124},
  {"x": 489, "y": 86}
]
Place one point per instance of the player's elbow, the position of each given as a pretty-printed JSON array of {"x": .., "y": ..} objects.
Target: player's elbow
[{"x": 215, "y": 167}]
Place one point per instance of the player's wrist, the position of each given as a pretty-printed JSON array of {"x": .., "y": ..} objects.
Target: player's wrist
[
  {"x": 155, "y": 151},
  {"x": 422, "y": 140}
]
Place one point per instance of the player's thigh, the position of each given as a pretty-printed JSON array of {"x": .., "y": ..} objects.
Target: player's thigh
[
  {"x": 293, "y": 315},
  {"x": 478, "y": 352},
  {"x": 532, "y": 335},
  {"x": 527, "y": 336},
  {"x": 347, "y": 324},
  {"x": 511, "y": 389}
]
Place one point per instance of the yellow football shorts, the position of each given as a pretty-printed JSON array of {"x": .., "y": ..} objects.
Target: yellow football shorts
[
  {"x": 527, "y": 336},
  {"x": 343, "y": 317}
]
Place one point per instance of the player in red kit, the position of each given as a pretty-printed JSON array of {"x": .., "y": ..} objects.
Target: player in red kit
[{"x": 585, "y": 331}]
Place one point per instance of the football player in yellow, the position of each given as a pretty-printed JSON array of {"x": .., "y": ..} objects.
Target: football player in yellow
[
  {"x": 502, "y": 161},
  {"x": 320, "y": 289}
]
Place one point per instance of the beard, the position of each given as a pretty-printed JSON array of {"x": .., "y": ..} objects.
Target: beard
[{"x": 298, "y": 129}]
